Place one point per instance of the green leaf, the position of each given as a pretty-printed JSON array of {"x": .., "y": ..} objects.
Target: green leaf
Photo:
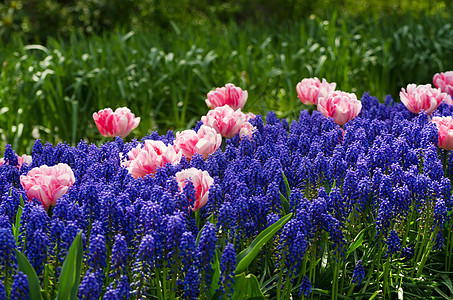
[
  {"x": 247, "y": 255},
  {"x": 288, "y": 190},
  {"x": 246, "y": 287},
  {"x": 16, "y": 226},
  {"x": 357, "y": 242},
  {"x": 215, "y": 277},
  {"x": 285, "y": 204},
  {"x": 447, "y": 282},
  {"x": 33, "y": 281},
  {"x": 21, "y": 201},
  {"x": 375, "y": 294},
  {"x": 70, "y": 271}
]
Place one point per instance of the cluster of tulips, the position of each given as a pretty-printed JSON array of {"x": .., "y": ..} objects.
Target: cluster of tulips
[
  {"x": 189, "y": 149},
  {"x": 225, "y": 119}
]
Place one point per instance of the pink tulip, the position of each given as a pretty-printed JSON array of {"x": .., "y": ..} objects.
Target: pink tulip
[
  {"x": 229, "y": 95},
  {"x": 204, "y": 142},
  {"x": 310, "y": 90},
  {"x": 422, "y": 97},
  {"x": 445, "y": 129},
  {"x": 24, "y": 159},
  {"x": 340, "y": 106},
  {"x": 201, "y": 181},
  {"x": 145, "y": 159},
  {"x": 246, "y": 131},
  {"x": 225, "y": 120},
  {"x": 249, "y": 116},
  {"x": 118, "y": 123},
  {"x": 48, "y": 184},
  {"x": 444, "y": 81}
]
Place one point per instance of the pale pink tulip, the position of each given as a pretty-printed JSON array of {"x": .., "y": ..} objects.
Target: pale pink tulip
[
  {"x": 246, "y": 131},
  {"x": 118, "y": 123},
  {"x": 444, "y": 81},
  {"x": 225, "y": 120},
  {"x": 48, "y": 184},
  {"x": 24, "y": 159},
  {"x": 145, "y": 159},
  {"x": 249, "y": 116},
  {"x": 230, "y": 95},
  {"x": 340, "y": 106},
  {"x": 422, "y": 97},
  {"x": 310, "y": 90},
  {"x": 445, "y": 129},
  {"x": 201, "y": 181},
  {"x": 204, "y": 142}
]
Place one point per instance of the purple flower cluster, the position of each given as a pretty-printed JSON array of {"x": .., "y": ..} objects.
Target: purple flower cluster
[{"x": 382, "y": 167}]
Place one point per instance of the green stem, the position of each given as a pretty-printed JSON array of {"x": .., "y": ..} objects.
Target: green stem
[
  {"x": 449, "y": 249},
  {"x": 159, "y": 288},
  {"x": 371, "y": 270},
  {"x": 386, "y": 277},
  {"x": 335, "y": 281},
  {"x": 164, "y": 280},
  {"x": 279, "y": 282},
  {"x": 429, "y": 247}
]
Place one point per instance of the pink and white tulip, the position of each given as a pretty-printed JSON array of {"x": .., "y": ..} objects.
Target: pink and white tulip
[
  {"x": 48, "y": 184},
  {"x": 118, "y": 123},
  {"x": 230, "y": 95},
  {"x": 201, "y": 181},
  {"x": 24, "y": 159},
  {"x": 246, "y": 131},
  {"x": 225, "y": 120},
  {"x": 204, "y": 142},
  {"x": 340, "y": 106},
  {"x": 444, "y": 82},
  {"x": 309, "y": 90},
  {"x": 422, "y": 97},
  {"x": 445, "y": 129},
  {"x": 145, "y": 159}
]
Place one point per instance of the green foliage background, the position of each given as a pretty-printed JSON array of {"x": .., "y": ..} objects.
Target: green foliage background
[{"x": 39, "y": 19}]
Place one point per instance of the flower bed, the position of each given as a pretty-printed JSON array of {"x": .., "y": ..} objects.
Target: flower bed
[{"x": 279, "y": 210}]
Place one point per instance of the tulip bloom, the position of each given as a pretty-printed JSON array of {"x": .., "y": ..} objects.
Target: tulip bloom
[
  {"x": 118, "y": 123},
  {"x": 201, "y": 181},
  {"x": 444, "y": 82},
  {"x": 340, "y": 106},
  {"x": 309, "y": 90},
  {"x": 145, "y": 159},
  {"x": 246, "y": 131},
  {"x": 229, "y": 95},
  {"x": 48, "y": 184},
  {"x": 422, "y": 97},
  {"x": 445, "y": 129},
  {"x": 204, "y": 142},
  {"x": 225, "y": 120},
  {"x": 24, "y": 159}
]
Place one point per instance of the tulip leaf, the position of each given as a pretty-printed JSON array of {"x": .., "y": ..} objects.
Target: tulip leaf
[
  {"x": 70, "y": 271},
  {"x": 246, "y": 287},
  {"x": 247, "y": 255},
  {"x": 16, "y": 226},
  {"x": 33, "y": 281},
  {"x": 357, "y": 242},
  {"x": 285, "y": 204},
  {"x": 216, "y": 275},
  {"x": 288, "y": 190}
]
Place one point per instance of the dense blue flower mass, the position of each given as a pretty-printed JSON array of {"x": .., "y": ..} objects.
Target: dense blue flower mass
[
  {"x": 382, "y": 173},
  {"x": 19, "y": 288}
]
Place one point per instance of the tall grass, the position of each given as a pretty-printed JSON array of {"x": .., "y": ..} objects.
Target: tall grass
[{"x": 163, "y": 76}]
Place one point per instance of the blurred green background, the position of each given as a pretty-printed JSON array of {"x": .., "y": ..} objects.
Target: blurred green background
[{"x": 63, "y": 60}]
